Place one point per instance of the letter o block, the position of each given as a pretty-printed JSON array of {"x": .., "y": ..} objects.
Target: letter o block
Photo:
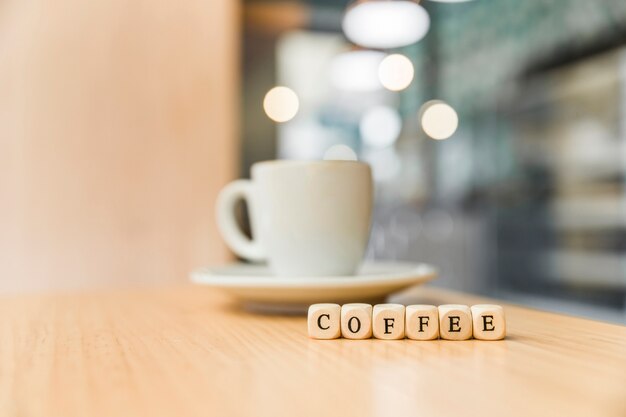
[
  {"x": 356, "y": 321},
  {"x": 455, "y": 322},
  {"x": 422, "y": 322},
  {"x": 324, "y": 321},
  {"x": 388, "y": 321},
  {"x": 489, "y": 322}
]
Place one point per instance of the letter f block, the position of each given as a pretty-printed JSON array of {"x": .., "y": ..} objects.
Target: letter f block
[
  {"x": 422, "y": 322},
  {"x": 388, "y": 321}
]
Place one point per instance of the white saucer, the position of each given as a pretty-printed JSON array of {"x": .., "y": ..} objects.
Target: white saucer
[{"x": 255, "y": 284}]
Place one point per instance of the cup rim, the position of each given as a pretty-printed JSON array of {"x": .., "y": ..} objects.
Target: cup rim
[{"x": 302, "y": 162}]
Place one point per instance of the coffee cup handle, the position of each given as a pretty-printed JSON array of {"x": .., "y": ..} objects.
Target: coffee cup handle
[{"x": 227, "y": 223}]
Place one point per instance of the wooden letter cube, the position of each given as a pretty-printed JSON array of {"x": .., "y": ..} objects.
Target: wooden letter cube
[
  {"x": 489, "y": 322},
  {"x": 422, "y": 322},
  {"x": 356, "y": 321},
  {"x": 388, "y": 321},
  {"x": 455, "y": 322},
  {"x": 324, "y": 321}
]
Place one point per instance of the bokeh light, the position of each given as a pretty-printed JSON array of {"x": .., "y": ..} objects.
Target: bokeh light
[
  {"x": 380, "y": 126},
  {"x": 395, "y": 72},
  {"x": 439, "y": 120},
  {"x": 385, "y": 24},
  {"x": 281, "y": 104}
]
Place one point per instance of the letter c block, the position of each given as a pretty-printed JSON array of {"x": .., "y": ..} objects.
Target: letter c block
[{"x": 324, "y": 321}]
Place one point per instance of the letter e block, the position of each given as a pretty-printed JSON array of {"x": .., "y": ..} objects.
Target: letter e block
[
  {"x": 455, "y": 322},
  {"x": 422, "y": 322},
  {"x": 324, "y": 321},
  {"x": 489, "y": 322},
  {"x": 388, "y": 321},
  {"x": 356, "y": 321}
]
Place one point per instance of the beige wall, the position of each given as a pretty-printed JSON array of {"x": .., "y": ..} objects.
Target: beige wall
[{"x": 117, "y": 127}]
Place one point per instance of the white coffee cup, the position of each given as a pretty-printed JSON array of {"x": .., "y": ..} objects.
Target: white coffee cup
[{"x": 308, "y": 218}]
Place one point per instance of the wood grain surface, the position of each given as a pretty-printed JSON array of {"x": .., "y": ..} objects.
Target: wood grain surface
[{"x": 187, "y": 351}]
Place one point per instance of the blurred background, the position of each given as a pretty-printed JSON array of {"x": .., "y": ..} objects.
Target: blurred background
[{"x": 496, "y": 130}]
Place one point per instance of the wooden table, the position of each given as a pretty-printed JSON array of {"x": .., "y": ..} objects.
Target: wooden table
[{"x": 187, "y": 351}]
